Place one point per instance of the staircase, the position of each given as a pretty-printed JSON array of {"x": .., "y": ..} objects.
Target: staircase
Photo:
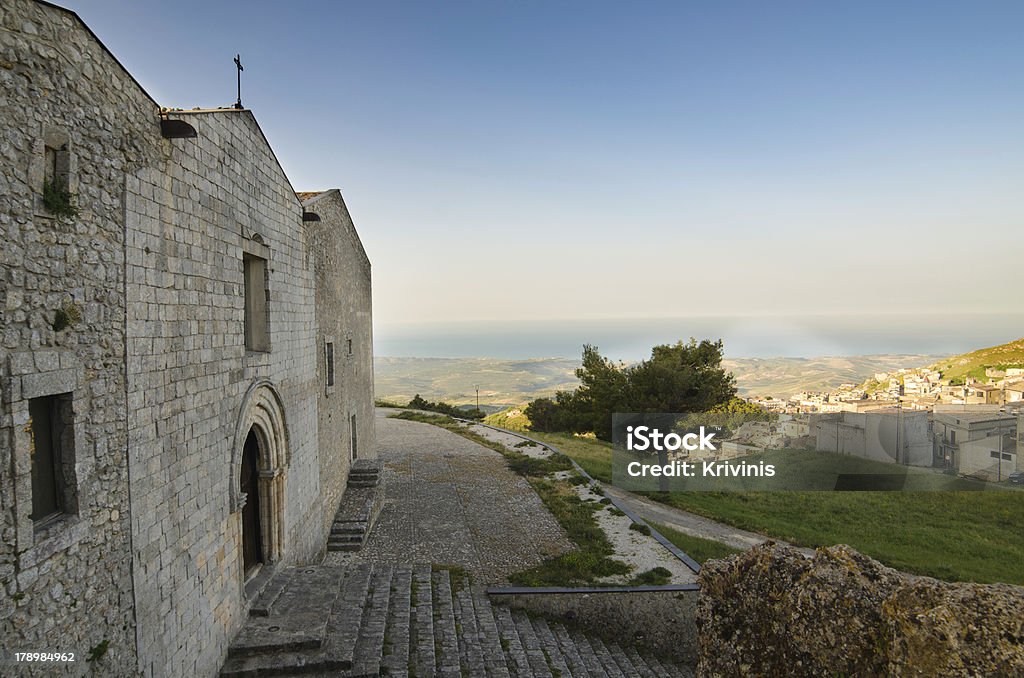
[
  {"x": 359, "y": 507},
  {"x": 412, "y": 620},
  {"x": 364, "y": 473}
]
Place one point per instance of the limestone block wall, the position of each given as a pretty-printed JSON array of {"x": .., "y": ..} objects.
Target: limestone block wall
[
  {"x": 344, "y": 318},
  {"x": 193, "y": 387},
  {"x": 66, "y": 585}
]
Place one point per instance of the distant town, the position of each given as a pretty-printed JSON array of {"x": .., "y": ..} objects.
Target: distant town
[
  {"x": 912, "y": 389},
  {"x": 966, "y": 421}
]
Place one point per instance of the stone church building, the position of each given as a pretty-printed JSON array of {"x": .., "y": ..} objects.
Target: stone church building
[{"x": 186, "y": 360}]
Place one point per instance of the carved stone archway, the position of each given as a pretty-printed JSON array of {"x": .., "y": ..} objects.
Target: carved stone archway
[{"x": 262, "y": 412}]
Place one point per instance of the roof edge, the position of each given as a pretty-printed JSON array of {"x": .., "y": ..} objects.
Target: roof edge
[{"x": 319, "y": 195}]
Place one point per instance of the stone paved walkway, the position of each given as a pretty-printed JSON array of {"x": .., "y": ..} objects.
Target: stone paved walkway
[{"x": 451, "y": 501}]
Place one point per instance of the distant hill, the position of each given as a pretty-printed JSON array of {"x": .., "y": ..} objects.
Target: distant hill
[
  {"x": 454, "y": 380},
  {"x": 973, "y": 364},
  {"x": 782, "y": 377},
  {"x": 504, "y": 383}
]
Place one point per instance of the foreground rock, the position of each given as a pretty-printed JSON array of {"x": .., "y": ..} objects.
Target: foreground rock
[{"x": 772, "y": 611}]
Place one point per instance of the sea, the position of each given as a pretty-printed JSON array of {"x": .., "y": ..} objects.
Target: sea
[{"x": 631, "y": 339}]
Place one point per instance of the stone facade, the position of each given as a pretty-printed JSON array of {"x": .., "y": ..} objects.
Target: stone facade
[
  {"x": 134, "y": 318},
  {"x": 343, "y": 302}
]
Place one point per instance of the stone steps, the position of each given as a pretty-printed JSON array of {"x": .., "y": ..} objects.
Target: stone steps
[
  {"x": 364, "y": 473},
  {"x": 413, "y": 620},
  {"x": 299, "y": 624},
  {"x": 358, "y": 509}
]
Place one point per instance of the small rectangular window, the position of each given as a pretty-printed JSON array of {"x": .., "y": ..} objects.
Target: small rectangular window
[
  {"x": 994, "y": 454},
  {"x": 257, "y": 334},
  {"x": 354, "y": 440},
  {"x": 53, "y": 490},
  {"x": 349, "y": 346},
  {"x": 329, "y": 351},
  {"x": 57, "y": 166},
  {"x": 50, "y": 166}
]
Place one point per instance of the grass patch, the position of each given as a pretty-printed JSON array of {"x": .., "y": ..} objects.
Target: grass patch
[
  {"x": 512, "y": 418},
  {"x": 951, "y": 535},
  {"x": 698, "y": 548},
  {"x": 595, "y": 456},
  {"x": 656, "y": 576},
  {"x": 641, "y": 528}
]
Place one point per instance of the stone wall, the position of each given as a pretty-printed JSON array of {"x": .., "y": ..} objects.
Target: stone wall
[
  {"x": 154, "y": 377},
  {"x": 772, "y": 612},
  {"x": 66, "y": 584},
  {"x": 344, "y": 319},
  {"x": 193, "y": 384}
]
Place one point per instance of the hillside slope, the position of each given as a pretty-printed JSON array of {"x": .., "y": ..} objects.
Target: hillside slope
[{"x": 1010, "y": 354}]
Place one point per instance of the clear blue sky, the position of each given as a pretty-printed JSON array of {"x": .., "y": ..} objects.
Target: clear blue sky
[{"x": 544, "y": 160}]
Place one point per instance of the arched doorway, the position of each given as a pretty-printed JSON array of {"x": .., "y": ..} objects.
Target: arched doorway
[
  {"x": 252, "y": 537},
  {"x": 259, "y": 472}
]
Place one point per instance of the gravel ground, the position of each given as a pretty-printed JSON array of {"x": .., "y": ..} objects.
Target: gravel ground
[
  {"x": 510, "y": 441},
  {"x": 641, "y": 551},
  {"x": 451, "y": 501}
]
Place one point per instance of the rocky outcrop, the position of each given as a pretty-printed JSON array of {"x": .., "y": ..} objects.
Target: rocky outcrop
[{"x": 773, "y": 612}]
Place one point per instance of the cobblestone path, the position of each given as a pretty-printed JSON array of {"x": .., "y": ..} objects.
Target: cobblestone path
[{"x": 450, "y": 501}]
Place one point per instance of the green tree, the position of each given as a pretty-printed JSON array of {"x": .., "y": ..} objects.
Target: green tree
[
  {"x": 543, "y": 415},
  {"x": 681, "y": 377}
]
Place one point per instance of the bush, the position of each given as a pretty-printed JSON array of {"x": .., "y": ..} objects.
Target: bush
[{"x": 418, "y": 403}]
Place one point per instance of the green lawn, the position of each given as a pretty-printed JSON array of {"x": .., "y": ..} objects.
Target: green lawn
[
  {"x": 698, "y": 548},
  {"x": 968, "y": 536},
  {"x": 595, "y": 456}
]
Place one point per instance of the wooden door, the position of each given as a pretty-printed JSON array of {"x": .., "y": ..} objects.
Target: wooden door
[{"x": 252, "y": 547}]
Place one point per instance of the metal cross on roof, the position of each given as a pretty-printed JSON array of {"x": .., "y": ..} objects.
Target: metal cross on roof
[{"x": 238, "y": 64}]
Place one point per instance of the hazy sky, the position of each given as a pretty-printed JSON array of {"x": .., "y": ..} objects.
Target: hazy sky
[{"x": 565, "y": 160}]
